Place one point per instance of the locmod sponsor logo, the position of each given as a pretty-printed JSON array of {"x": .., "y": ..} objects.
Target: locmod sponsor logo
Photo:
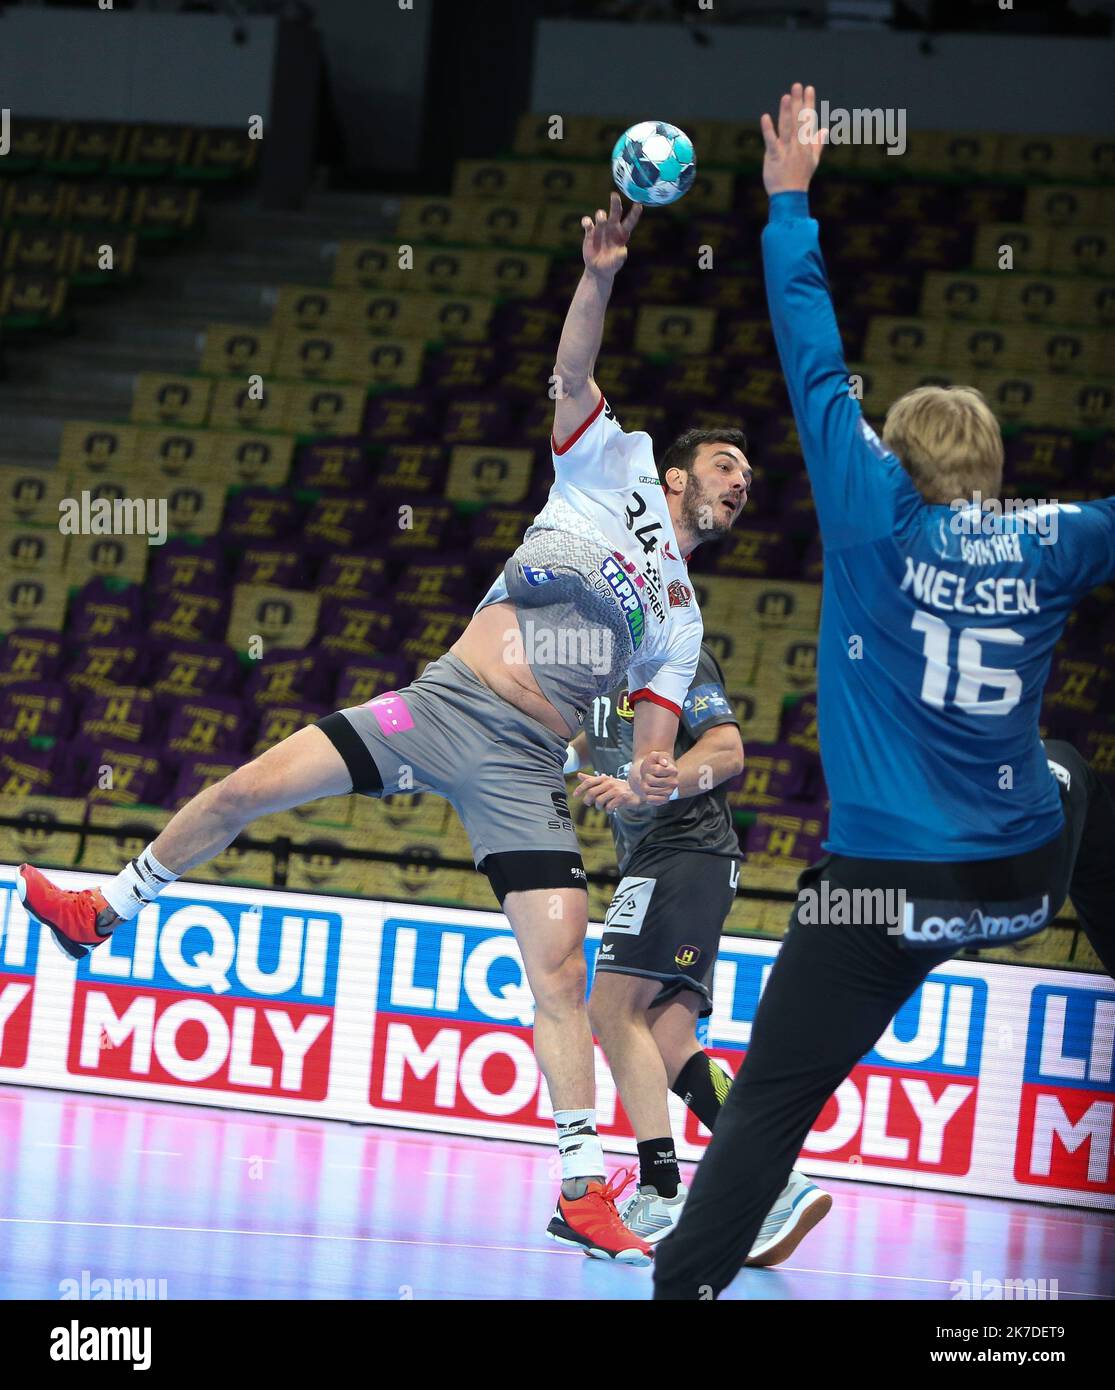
[
  {"x": 1065, "y": 1130},
  {"x": 19, "y": 952},
  {"x": 910, "y": 1103},
  {"x": 227, "y": 996}
]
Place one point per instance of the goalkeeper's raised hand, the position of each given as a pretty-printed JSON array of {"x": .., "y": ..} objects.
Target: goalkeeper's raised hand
[{"x": 793, "y": 151}]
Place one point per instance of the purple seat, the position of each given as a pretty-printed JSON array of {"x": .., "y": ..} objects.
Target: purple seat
[
  {"x": 352, "y": 573},
  {"x": 424, "y": 527},
  {"x": 258, "y": 515},
  {"x": 788, "y": 831},
  {"x": 409, "y": 472},
  {"x": 192, "y": 669},
  {"x": 936, "y": 247},
  {"x": 103, "y": 666},
  {"x": 531, "y": 326},
  {"x": 99, "y": 611},
  {"x": 140, "y": 773},
  {"x": 31, "y": 654},
  {"x": 39, "y": 770},
  {"x": 182, "y": 564},
  {"x": 339, "y": 464},
  {"x": 754, "y": 552},
  {"x": 34, "y": 709},
  {"x": 214, "y": 724},
  {"x": 287, "y": 674},
  {"x": 478, "y": 420},
  {"x": 464, "y": 367},
  {"x": 339, "y": 521},
  {"x": 272, "y": 564},
  {"x": 129, "y": 713},
  {"x": 1099, "y": 471},
  {"x": 358, "y": 626},
  {"x": 774, "y": 773},
  {"x": 188, "y": 614},
  {"x": 799, "y": 726},
  {"x": 1039, "y": 460},
  {"x": 403, "y": 417}
]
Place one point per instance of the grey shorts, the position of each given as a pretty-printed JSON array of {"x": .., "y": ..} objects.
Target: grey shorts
[{"x": 500, "y": 769}]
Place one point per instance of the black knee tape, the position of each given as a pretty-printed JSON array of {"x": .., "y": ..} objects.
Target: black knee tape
[
  {"x": 522, "y": 871},
  {"x": 360, "y": 763}
]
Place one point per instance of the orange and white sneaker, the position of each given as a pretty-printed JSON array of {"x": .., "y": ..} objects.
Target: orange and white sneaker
[
  {"x": 592, "y": 1223},
  {"x": 71, "y": 916}
]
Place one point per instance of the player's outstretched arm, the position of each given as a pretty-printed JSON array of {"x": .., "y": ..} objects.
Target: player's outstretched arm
[
  {"x": 1079, "y": 541},
  {"x": 604, "y": 251},
  {"x": 847, "y": 466}
]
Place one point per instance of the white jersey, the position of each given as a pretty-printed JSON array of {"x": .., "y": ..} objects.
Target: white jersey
[{"x": 606, "y": 489}]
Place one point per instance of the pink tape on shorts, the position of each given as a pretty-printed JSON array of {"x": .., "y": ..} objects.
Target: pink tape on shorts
[{"x": 391, "y": 713}]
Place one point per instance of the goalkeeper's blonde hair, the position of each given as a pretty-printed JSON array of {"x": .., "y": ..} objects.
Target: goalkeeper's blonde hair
[{"x": 948, "y": 441}]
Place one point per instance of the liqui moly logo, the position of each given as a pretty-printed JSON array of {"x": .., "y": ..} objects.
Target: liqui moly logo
[
  {"x": 911, "y": 1100},
  {"x": 454, "y": 1030},
  {"x": 228, "y": 996},
  {"x": 1066, "y": 1124},
  {"x": 19, "y": 949}
]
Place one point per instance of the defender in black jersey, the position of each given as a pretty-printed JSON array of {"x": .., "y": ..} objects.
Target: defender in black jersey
[
  {"x": 680, "y": 867},
  {"x": 664, "y": 922}
]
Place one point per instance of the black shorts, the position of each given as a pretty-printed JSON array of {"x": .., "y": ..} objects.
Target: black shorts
[
  {"x": 665, "y": 920},
  {"x": 937, "y": 909}
]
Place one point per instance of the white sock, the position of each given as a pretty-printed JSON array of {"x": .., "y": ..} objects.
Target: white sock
[
  {"x": 137, "y": 884},
  {"x": 582, "y": 1155}
]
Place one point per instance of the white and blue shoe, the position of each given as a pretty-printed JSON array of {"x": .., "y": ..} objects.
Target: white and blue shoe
[
  {"x": 653, "y": 1217},
  {"x": 798, "y": 1208}
]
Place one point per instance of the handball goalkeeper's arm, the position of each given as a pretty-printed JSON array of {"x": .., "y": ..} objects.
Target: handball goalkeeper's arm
[
  {"x": 848, "y": 466},
  {"x": 604, "y": 251}
]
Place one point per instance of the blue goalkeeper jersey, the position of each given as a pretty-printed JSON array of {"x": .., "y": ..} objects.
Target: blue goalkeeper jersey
[{"x": 938, "y": 623}]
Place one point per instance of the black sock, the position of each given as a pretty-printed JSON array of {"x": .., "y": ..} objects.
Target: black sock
[
  {"x": 703, "y": 1086},
  {"x": 658, "y": 1167}
]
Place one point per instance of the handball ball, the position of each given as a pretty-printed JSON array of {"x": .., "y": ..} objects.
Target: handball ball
[{"x": 653, "y": 162}]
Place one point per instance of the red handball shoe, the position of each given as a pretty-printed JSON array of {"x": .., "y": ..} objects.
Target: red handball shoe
[
  {"x": 72, "y": 917},
  {"x": 593, "y": 1223}
]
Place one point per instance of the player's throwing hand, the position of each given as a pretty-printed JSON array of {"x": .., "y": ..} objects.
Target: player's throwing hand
[
  {"x": 606, "y": 238},
  {"x": 794, "y": 149}
]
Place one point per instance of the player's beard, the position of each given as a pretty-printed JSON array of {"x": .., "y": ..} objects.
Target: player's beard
[{"x": 702, "y": 513}]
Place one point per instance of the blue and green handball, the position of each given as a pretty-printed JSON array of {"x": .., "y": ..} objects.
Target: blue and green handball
[{"x": 653, "y": 162}]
